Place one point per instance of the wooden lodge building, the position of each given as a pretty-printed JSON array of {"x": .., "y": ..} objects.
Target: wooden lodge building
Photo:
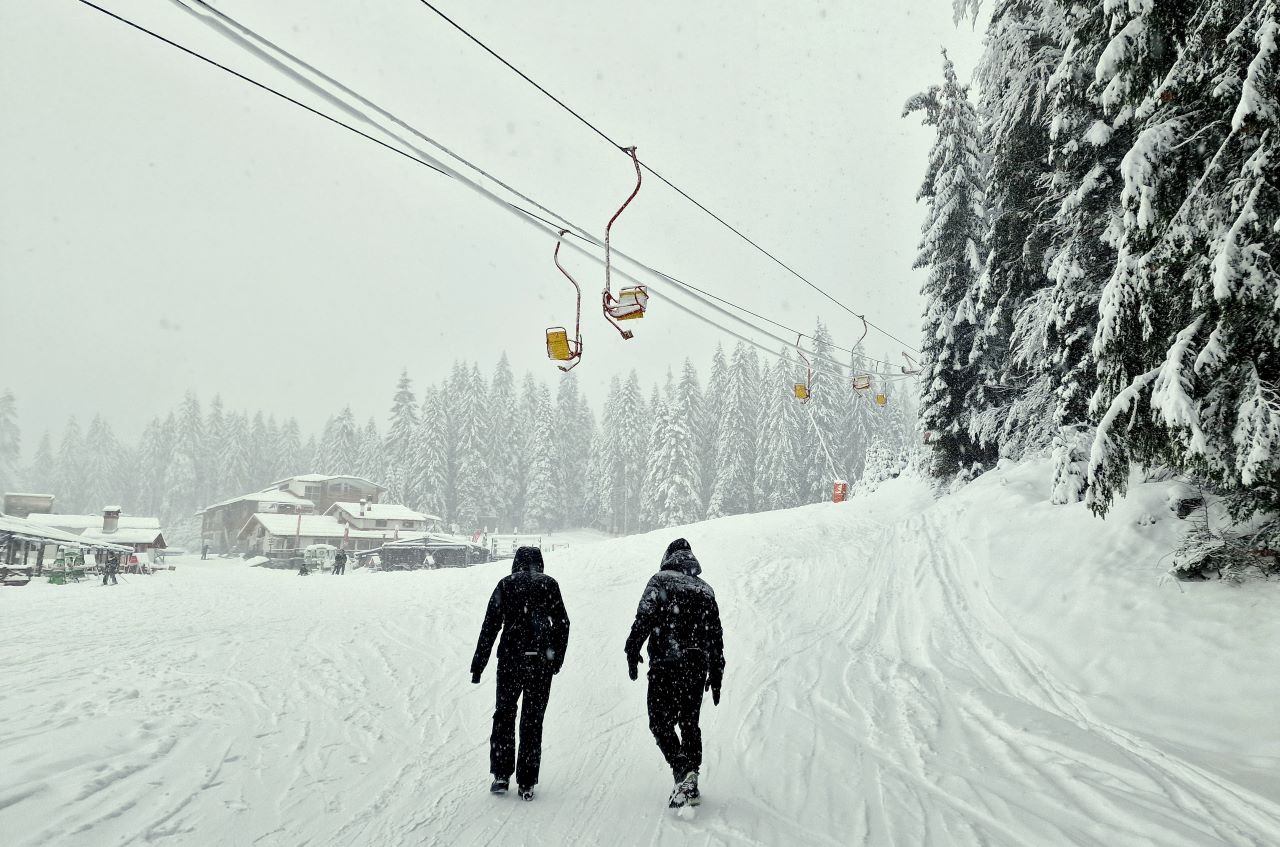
[
  {"x": 309, "y": 494},
  {"x": 286, "y": 536}
]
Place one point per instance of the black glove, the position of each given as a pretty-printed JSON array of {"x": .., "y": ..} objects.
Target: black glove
[
  {"x": 475, "y": 678},
  {"x": 633, "y": 663},
  {"x": 555, "y": 670},
  {"x": 713, "y": 685}
]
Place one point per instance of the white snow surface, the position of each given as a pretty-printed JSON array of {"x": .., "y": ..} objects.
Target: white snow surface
[{"x": 981, "y": 669}]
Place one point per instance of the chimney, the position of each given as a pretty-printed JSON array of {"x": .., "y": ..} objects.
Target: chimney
[
  {"x": 364, "y": 504},
  {"x": 110, "y": 518}
]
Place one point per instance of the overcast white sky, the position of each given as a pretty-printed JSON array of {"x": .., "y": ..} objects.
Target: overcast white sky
[{"x": 165, "y": 227}]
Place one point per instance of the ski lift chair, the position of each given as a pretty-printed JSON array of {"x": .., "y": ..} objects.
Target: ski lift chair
[
  {"x": 631, "y": 302},
  {"x": 881, "y": 398},
  {"x": 629, "y": 305},
  {"x": 861, "y": 382},
  {"x": 802, "y": 392},
  {"x": 560, "y": 348}
]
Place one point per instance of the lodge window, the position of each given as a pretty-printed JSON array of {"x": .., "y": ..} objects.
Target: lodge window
[{"x": 380, "y": 524}]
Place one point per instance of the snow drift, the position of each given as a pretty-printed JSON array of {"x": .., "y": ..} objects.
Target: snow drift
[{"x": 982, "y": 669}]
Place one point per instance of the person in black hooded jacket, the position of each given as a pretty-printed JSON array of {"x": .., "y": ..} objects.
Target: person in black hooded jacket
[
  {"x": 526, "y": 606},
  {"x": 679, "y": 618}
]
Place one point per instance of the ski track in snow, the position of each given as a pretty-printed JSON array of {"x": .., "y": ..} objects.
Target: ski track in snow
[{"x": 875, "y": 694}]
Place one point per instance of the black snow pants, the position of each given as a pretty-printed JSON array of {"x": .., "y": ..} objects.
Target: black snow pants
[
  {"x": 527, "y": 680},
  {"x": 675, "y": 699}
]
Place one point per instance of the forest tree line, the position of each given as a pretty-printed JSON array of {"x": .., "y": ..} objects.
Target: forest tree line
[{"x": 525, "y": 453}]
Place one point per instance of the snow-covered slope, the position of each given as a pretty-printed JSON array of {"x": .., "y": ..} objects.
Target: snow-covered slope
[{"x": 984, "y": 669}]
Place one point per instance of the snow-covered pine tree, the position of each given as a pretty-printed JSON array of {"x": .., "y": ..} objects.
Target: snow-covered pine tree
[
  {"x": 713, "y": 401},
  {"x": 688, "y": 402},
  {"x": 599, "y": 502},
  {"x": 544, "y": 501},
  {"x": 676, "y": 455},
  {"x": 630, "y": 451},
  {"x": 623, "y": 450},
  {"x": 473, "y": 477},
  {"x": 653, "y": 490},
  {"x": 734, "y": 488},
  {"x": 312, "y": 454},
  {"x": 216, "y": 445},
  {"x": 575, "y": 431},
  {"x": 504, "y": 441},
  {"x": 1010, "y": 399},
  {"x": 1083, "y": 191},
  {"x": 42, "y": 472},
  {"x": 290, "y": 456},
  {"x": 185, "y": 491},
  {"x": 261, "y": 438},
  {"x": 1187, "y": 346},
  {"x": 237, "y": 458},
  {"x": 100, "y": 484},
  {"x": 777, "y": 479},
  {"x": 430, "y": 462},
  {"x": 369, "y": 461},
  {"x": 954, "y": 229},
  {"x": 340, "y": 450},
  {"x": 151, "y": 468},
  {"x": 10, "y": 442},
  {"x": 393, "y": 462}
]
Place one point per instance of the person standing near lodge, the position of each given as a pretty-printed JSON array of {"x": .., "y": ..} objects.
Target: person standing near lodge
[
  {"x": 679, "y": 618},
  {"x": 526, "y": 606},
  {"x": 340, "y": 562},
  {"x": 204, "y": 551},
  {"x": 110, "y": 568}
]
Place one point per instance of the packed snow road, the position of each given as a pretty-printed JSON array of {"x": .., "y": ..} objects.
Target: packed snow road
[{"x": 980, "y": 670}]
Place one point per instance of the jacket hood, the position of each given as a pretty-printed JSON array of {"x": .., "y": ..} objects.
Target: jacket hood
[
  {"x": 528, "y": 560},
  {"x": 683, "y": 561}
]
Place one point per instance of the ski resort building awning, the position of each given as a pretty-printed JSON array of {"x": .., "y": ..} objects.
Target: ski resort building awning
[{"x": 20, "y": 529}]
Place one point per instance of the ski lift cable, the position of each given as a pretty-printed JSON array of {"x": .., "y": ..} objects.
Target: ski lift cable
[
  {"x": 261, "y": 46},
  {"x": 660, "y": 177},
  {"x": 421, "y": 157},
  {"x": 264, "y": 48},
  {"x": 256, "y": 83}
]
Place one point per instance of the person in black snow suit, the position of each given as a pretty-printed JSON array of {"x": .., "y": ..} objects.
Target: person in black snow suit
[
  {"x": 679, "y": 617},
  {"x": 340, "y": 563},
  {"x": 109, "y": 570},
  {"x": 526, "y": 606}
]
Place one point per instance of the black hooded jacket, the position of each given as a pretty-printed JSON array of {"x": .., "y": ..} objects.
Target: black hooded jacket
[
  {"x": 679, "y": 617},
  {"x": 529, "y": 611}
]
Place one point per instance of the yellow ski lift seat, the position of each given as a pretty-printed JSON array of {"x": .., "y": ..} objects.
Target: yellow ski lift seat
[
  {"x": 861, "y": 382},
  {"x": 559, "y": 347},
  {"x": 630, "y": 304},
  {"x": 802, "y": 391},
  {"x": 881, "y": 399}
]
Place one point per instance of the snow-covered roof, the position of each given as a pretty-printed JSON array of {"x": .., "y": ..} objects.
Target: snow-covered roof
[
  {"x": 25, "y": 494},
  {"x": 23, "y": 528},
  {"x": 433, "y": 539},
  {"x": 312, "y": 526},
  {"x": 269, "y": 495},
  {"x": 126, "y": 536},
  {"x": 381, "y": 512},
  {"x": 76, "y": 523},
  {"x": 324, "y": 477}
]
